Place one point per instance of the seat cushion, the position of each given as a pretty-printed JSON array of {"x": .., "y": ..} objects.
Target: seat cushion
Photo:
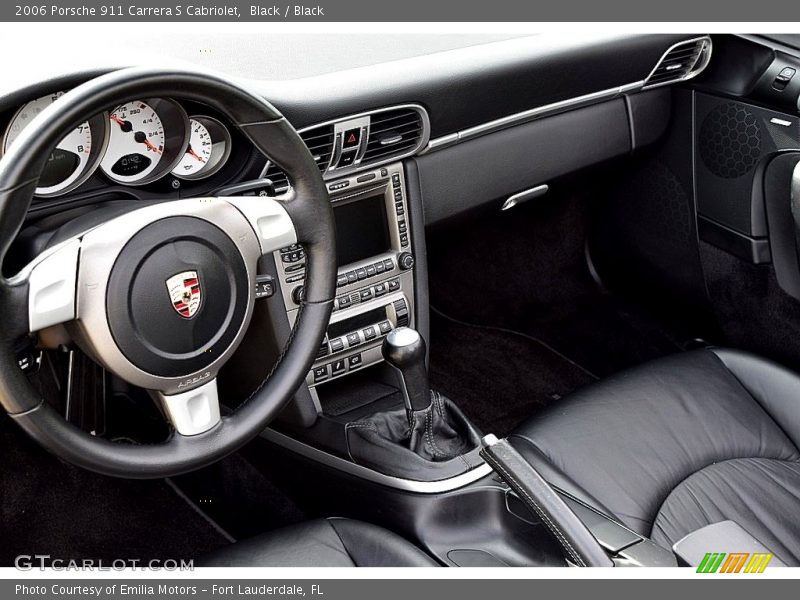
[
  {"x": 680, "y": 443},
  {"x": 322, "y": 543}
]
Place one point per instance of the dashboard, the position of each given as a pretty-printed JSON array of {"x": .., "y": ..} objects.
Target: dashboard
[
  {"x": 383, "y": 140},
  {"x": 144, "y": 147}
]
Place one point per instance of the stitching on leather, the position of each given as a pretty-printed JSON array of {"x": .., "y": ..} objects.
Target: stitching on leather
[
  {"x": 550, "y": 524},
  {"x": 341, "y": 541},
  {"x": 754, "y": 397},
  {"x": 718, "y": 462}
]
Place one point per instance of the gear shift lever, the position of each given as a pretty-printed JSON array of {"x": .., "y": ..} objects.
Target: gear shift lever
[
  {"x": 404, "y": 349},
  {"x": 406, "y": 442}
]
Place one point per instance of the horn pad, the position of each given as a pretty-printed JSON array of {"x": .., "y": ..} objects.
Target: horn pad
[{"x": 177, "y": 296}]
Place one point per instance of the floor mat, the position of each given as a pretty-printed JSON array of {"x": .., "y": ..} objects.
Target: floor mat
[
  {"x": 239, "y": 497},
  {"x": 497, "y": 377},
  {"x": 525, "y": 271},
  {"x": 52, "y": 508}
]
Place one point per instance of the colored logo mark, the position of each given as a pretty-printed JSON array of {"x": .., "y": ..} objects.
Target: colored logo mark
[{"x": 734, "y": 562}]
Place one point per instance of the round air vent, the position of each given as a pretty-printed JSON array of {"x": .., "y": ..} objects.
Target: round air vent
[{"x": 730, "y": 141}]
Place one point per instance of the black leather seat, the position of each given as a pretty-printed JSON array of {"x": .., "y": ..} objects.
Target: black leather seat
[
  {"x": 322, "y": 543},
  {"x": 681, "y": 443}
]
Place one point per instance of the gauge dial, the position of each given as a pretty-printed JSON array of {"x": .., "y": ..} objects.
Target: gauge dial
[
  {"x": 208, "y": 149},
  {"x": 136, "y": 144},
  {"x": 72, "y": 160}
]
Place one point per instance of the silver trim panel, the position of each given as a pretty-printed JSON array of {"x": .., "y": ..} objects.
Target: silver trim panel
[
  {"x": 704, "y": 57},
  {"x": 531, "y": 115},
  {"x": 408, "y": 485},
  {"x": 195, "y": 411},
  {"x": 547, "y": 110},
  {"x": 51, "y": 286},
  {"x": 269, "y": 219}
]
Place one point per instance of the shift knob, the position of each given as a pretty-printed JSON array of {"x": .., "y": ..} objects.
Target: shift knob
[{"x": 404, "y": 349}]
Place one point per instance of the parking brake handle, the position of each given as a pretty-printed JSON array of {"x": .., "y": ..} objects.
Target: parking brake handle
[{"x": 579, "y": 545}]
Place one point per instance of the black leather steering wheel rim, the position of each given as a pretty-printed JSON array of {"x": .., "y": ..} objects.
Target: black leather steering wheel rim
[{"x": 307, "y": 204}]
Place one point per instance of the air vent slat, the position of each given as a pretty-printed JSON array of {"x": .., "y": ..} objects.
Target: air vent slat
[
  {"x": 393, "y": 133},
  {"x": 405, "y": 128},
  {"x": 385, "y": 151},
  {"x": 682, "y": 61}
]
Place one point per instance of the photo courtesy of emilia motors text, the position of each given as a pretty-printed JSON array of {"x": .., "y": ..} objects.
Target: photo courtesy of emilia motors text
[{"x": 358, "y": 300}]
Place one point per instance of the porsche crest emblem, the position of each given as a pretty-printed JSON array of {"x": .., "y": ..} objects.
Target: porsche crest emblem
[{"x": 185, "y": 293}]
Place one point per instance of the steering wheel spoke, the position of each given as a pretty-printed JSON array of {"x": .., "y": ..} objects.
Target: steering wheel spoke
[
  {"x": 51, "y": 280},
  {"x": 195, "y": 411},
  {"x": 268, "y": 218}
]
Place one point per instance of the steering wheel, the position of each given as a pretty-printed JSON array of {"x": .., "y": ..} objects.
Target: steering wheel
[{"x": 162, "y": 295}]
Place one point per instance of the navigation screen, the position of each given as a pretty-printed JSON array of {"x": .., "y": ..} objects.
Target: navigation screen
[{"x": 362, "y": 229}]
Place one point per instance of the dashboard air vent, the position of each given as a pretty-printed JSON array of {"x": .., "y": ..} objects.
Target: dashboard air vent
[
  {"x": 319, "y": 141},
  {"x": 682, "y": 61},
  {"x": 392, "y": 133}
]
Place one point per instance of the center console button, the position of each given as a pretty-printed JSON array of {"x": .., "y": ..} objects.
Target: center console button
[
  {"x": 379, "y": 267},
  {"x": 380, "y": 289},
  {"x": 346, "y": 159},
  {"x": 370, "y": 270},
  {"x": 320, "y": 373},
  {"x": 384, "y": 326},
  {"x": 337, "y": 345},
  {"x": 366, "y": 294},
  {"x": 293, "y": 268},
  {"x": 369, "y": 333},
  {"x": 394, "y": 285},
  {"x": 388, "y": 264},
  {"x": 361, "y": 274},
  {"x": 354, "y": 361},
  {"x": 367, "y": 177},
  {"x": 338, "y": 366},
  {"x": 353, "y": 339},
  {"x": 351, "y": 277},
  {"x": 344, "y": 301},
  {"x": 341, "y": 280}
]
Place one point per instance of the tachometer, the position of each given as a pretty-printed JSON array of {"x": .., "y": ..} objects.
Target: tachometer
[
  {"x": 208, "y": 149},
  {"x": 75, "y": 157},
  {"x": 147, "y": 138}
]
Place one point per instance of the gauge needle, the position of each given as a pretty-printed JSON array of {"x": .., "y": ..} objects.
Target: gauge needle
[
  {"x": 151, "y": 146},
  {"x": 141, "y": 138},
  {"x": 191, "y": 152},
  {"x": 124, "y": 125}
]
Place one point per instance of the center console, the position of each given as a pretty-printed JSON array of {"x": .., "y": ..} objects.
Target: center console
[{"x": 375, "y": 284}]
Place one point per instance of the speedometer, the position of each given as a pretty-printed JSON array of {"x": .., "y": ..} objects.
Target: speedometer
[
  {"x": 74, "y": 158},
  {"x": 136, "y": 145},
  {"x": 147, "y": 138}
]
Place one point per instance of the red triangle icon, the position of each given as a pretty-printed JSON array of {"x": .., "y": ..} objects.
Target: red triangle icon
[{"x": 351, "y": 139}]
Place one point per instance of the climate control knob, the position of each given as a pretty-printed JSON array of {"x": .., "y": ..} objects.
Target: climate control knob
[{"x": 405, "y": 261}]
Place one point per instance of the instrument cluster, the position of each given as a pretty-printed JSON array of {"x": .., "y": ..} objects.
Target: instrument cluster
[{"x": 134, "y": 144}]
